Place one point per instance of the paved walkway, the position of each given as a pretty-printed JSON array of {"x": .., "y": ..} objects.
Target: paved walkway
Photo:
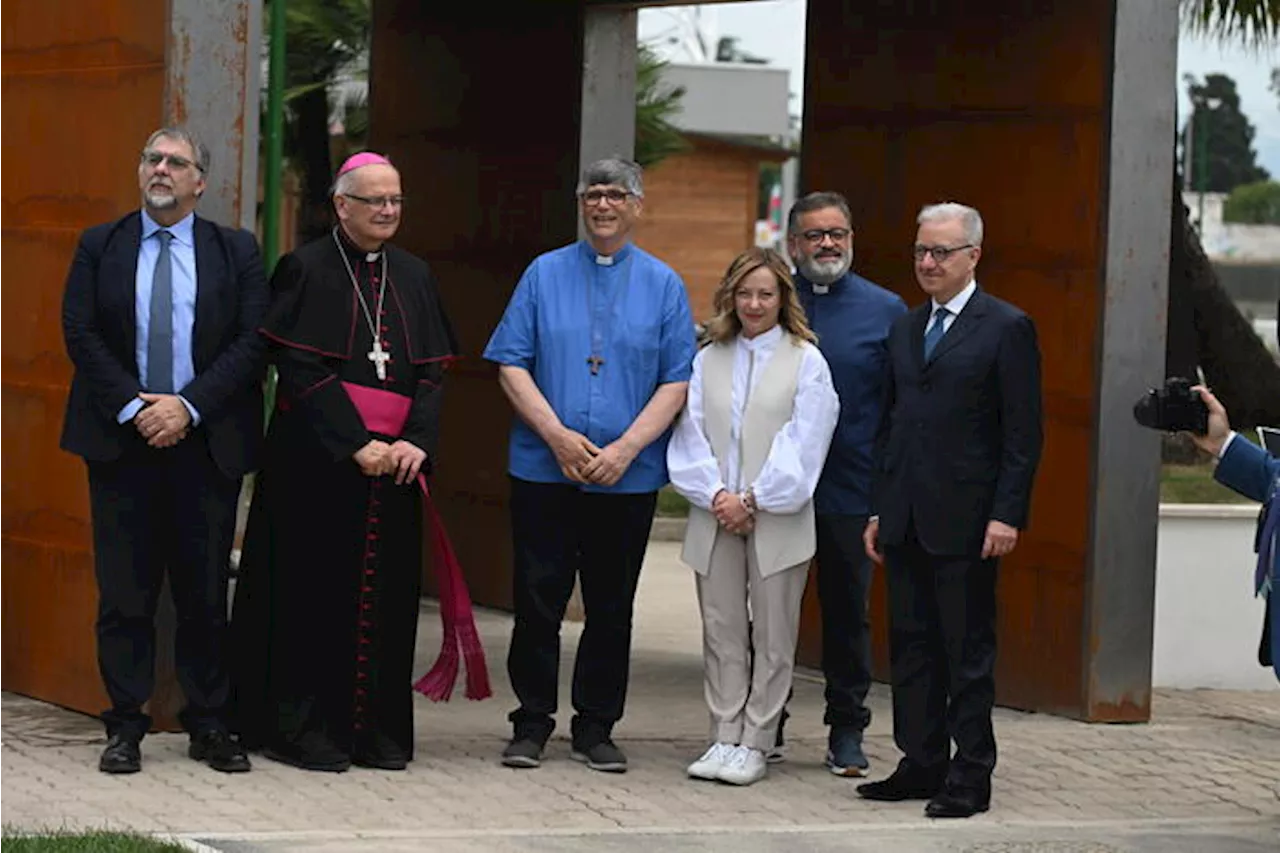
[{"x": 1203, "y": 776}]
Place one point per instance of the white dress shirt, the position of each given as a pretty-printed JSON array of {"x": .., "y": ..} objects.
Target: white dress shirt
[
  {"x": 794, "y": 464},
  {"x": 954, "y": 306}
]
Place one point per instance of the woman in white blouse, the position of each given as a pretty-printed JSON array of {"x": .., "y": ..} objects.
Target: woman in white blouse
[{"x": 747, "y": 452}]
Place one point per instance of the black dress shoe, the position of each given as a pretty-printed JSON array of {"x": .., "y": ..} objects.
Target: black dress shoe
[
  {"x": 310, "y": 751},
  {"x": 958, "y": 802},
  {"x": 122, "y": 755},
  {"x": 217, "y": 749},
  {"x": 379, "y": 752},
  {"x": 900, "y": 786}
]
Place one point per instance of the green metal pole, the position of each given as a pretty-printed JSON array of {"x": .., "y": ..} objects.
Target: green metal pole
[{"x": 275, "y": 162}]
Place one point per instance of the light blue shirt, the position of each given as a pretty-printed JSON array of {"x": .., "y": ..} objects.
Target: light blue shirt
[
  {"x": 632, "y": 311},
  {"x": 182, "y": 256}
]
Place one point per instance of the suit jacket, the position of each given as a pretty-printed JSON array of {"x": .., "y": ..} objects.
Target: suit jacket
[
  {"x": 100, "y": 328},
  {"x": 1248, "y": 469},
  {"x": 960, "y": 435}
]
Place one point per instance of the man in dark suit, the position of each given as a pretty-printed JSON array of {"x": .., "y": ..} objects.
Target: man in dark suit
[
  {"x": 160, "y": 317},
  {"x": 957, "y": 453}
]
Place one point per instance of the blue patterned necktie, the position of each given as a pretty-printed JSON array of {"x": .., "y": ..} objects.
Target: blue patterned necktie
[
  {"x": 936, "y": 331},
  {"x": 160, "y": 324}
]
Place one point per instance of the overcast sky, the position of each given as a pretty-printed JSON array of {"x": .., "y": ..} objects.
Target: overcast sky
[{"x": 774, "y": 29}]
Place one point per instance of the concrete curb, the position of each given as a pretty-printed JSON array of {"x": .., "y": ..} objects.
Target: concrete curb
[{"x": 667, "y": 529}]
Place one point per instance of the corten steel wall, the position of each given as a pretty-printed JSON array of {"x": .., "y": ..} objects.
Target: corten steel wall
[
  {"x": 481, "y": 114},
  {"x": 84, "y": 83},
  {"x": 1007, "y": 106}
]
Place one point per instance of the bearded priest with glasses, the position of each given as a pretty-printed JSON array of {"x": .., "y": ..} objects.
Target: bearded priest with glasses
[{"x": 326, "y": 606}]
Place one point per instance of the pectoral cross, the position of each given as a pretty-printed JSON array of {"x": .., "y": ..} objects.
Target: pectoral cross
[
  {"x": 595, "y": 361},
  {"x": 379, "y": 357}
]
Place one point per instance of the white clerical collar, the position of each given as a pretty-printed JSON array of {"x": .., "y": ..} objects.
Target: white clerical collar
[
  {"x": 604, "y": 260},
  {"x": 956, "y": 303}
]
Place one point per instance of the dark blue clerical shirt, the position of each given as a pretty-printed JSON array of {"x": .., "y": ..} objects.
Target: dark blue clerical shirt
[{"x": 852, "y": 321}]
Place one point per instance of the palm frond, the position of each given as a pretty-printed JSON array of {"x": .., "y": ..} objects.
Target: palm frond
[{"x": 1255, "y": 23}]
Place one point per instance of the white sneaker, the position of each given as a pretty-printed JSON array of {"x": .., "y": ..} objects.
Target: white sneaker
[
  {"x": 708, "y": 766},
  {"x": 743, "y": 766}
]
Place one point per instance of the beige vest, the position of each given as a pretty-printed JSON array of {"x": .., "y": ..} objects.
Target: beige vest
[{"x": 779, "y": 541}]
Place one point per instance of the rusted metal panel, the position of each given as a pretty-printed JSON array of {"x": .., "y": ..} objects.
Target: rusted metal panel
[
  {"x": 489, "y": 206},
  {"x": 71, "y": 72},
  {"x": 1003, "y": 106},
  {"x": 212, "y": 87}
]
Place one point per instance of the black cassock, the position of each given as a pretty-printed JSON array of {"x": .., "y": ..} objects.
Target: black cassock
[{"x": 326, "y": 602}]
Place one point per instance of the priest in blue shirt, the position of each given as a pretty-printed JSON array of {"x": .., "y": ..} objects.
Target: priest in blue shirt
[
  {"x": 594, "y": 351},
  {"x": 851, "y": 317}
]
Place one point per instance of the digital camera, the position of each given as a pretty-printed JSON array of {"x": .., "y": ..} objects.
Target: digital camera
[{"x": 1173, "y": 407}]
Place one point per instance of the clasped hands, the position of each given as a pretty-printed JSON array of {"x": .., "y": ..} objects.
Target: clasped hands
[
  {"x": 163, "y": 421},
  {"x": 732, "y": 513},
  {"x": 403, "y": 459},
  {"x": 582, "y": 462}
]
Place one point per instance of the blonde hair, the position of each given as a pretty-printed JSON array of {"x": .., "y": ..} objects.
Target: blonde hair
[{"x": 725, "y": 325}]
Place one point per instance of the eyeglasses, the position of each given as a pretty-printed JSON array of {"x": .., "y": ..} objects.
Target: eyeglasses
[
  {"x": 155, "y": 158},
  {"x": 378, "y": 201},
  {"x": 611, "y": 196},
  {"x": 938, "y": 253},
  {"x": 817, "y": 235}
]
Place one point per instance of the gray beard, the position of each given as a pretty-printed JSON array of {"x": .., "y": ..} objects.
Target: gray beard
[
  {"x": 161, "y": 202},
  {"x": 825, "y": 272}
]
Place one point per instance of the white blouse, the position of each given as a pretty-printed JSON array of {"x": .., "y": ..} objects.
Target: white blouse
[{"x": 790, "y": 472}]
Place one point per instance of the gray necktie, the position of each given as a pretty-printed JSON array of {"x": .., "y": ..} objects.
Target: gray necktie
[
  {"x": 160, "y": 326},
  {"x": 936, "y": 331}
]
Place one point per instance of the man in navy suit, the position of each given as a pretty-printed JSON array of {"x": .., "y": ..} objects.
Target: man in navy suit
[
  {"x": 957, "y": 453},
  {"x": 1246, "y": 468},
  {"x": 160, "y": 317}
]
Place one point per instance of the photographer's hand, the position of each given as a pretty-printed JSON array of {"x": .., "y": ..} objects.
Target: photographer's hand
[{"x": 1219, "y": 432}]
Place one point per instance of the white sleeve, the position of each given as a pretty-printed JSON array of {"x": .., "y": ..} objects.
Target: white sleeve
[
  {"x": 692, "y": 466},
  {"x": 790, "y": 473}
]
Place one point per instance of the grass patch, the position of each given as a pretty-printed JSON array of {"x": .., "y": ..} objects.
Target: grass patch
[
  {"x": 1194, "y": 484},
  {"x": 671, "y": 504},
  {"x": 85, "y": 842}
]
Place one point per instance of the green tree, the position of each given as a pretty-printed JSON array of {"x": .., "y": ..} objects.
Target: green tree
[
  {"x": 323, "y": 38},
  {"x": 1205, "y": 329},
  {"x": 656, "y": 103},
  {"x": 1253, "y": 204},
  {"x": 1222, "y": 153}
]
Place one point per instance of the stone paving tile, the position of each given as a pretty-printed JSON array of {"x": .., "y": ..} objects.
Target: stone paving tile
[{"x": 1209, "y": 754}]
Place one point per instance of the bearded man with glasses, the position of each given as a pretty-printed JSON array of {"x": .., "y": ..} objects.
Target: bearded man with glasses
[
  {"x": 160, "y": 316},
  {"x": 851, "y": 317},
  {"x": 957, "y": 452},
  {"x": 594, "y": 352}
]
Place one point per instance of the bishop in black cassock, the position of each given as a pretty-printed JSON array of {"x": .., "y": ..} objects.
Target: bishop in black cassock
[{"x": 326, "y": 603}]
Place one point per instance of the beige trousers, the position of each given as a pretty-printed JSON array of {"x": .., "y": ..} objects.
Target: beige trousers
[{"x": 742, "y": 612}]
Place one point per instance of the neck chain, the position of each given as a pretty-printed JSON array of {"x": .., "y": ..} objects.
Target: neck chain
[
  {"x": 598, "y": 343},
  {"x": 377, "y": 355}
]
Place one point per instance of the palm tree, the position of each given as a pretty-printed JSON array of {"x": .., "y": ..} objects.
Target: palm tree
[
  {"x": 1205, "y": 327},
  {"x": 656, "y": 103},
  {"x": 323, "y": 38}
]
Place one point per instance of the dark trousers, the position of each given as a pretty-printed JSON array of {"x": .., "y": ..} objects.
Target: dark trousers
[
  {"x": 844, "y": 581},
  {"x": 942, "y": 612},
  {"x": 560, "y": 532},
  {"x": 158, "y": 511}
]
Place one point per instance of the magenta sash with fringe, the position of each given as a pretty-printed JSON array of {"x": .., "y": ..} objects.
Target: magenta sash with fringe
[{"x": 386, "y": 412}]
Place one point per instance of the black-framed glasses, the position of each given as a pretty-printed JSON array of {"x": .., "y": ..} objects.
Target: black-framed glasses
[
  {"x": 938, "y": 253},
  {"x": 612, "y": 196},
  {"x": 155, "y": 158},
  {"x": 378, "y": 201},
  {"x": 817, "y": 235}
]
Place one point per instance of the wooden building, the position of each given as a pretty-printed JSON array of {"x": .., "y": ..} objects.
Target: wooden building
[{"x": 701, "y": 207}]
